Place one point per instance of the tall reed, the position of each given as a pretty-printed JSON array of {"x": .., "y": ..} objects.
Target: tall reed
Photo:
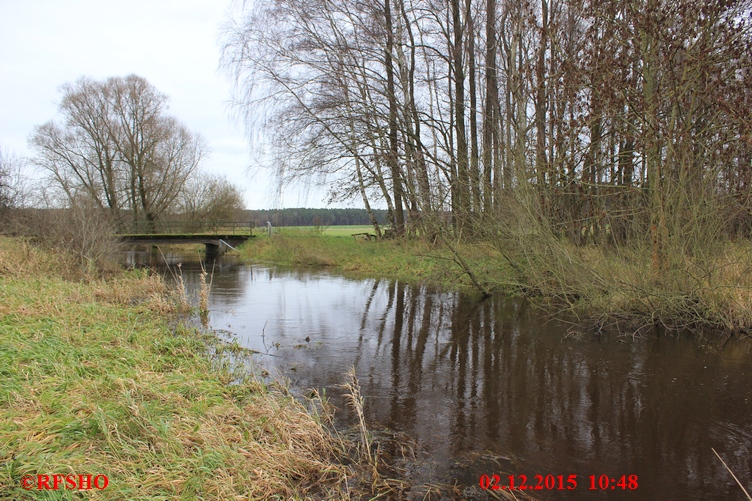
[
  {"x": 355, "y": 399},
  {"x": 203, "y": 294},
  {"x": 181, "y": 294}
]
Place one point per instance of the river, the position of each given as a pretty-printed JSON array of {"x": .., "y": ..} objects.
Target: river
[{"x": 495, "y": 386}]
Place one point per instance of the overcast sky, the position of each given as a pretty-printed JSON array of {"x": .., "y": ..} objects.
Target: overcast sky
[{"x": 174, "y": 44}]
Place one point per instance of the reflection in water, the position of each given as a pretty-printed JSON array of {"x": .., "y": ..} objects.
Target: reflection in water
[{"x": 469, "y": 378}]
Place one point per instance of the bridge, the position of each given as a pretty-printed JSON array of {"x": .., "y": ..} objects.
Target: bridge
[{"x": 217, "y": 236}]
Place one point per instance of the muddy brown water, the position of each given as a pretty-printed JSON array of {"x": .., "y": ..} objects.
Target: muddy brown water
[{"x": 495, "y": 386}]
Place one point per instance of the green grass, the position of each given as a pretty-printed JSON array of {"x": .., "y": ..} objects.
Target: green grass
[
  {"x": 97, "y": 379},
  {"x": 415, "y": 261},
  {"x": 347, "y": 231}
]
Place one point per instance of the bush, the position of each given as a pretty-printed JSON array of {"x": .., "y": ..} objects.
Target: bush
[{"x": 81, "y": 235}]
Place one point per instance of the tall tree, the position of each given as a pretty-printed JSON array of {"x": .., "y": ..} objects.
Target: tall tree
[
  {"x": 602, "y": 116},
  {"x": 117, "y": 145},
  {"x": 393, "y": 155}
]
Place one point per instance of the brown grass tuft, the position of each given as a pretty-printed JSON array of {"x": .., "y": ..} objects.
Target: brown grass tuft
[{"x": 356, "y": 401}]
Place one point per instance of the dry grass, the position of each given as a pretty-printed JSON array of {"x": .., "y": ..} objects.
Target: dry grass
[
  {"x": 203, "y": 294},
  {"x": 95, "y": 381},
  {"x": 204, "y": 288},
  {"x": 356, "y": 401},
  {"x": 180, "y": 290},
  {"x": 19, "y": 258},
  {"x": 618, "y": 286},
  {"x": 693, "y": 280}
]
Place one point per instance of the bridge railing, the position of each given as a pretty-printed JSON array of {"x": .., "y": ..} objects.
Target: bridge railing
[{"x": 188, "y": 228}]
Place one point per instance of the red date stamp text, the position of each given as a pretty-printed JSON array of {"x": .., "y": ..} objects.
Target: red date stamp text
[{"x": 557, "y": 482}]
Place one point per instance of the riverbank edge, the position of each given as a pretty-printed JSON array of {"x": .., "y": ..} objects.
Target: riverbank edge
[
  {"x": 413, "y": 261},
  {"x": 100, "y": 379},
  {"x": 108, "y": 394},
  {"x": 594, "y": 287}
]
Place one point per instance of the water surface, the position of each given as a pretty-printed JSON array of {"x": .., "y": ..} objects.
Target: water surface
[{"x": 472, "y": 381}]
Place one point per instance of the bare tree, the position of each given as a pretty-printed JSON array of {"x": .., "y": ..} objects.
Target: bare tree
[
  {"x": 13, "y": 187},
  {"x": 609, "y": 120},
  {"x": 210, "y": 198},
  {"x": 117, "y": 146}
]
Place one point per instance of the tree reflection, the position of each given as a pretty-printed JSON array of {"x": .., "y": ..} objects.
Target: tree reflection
[
  {"x": 465, "y": 377},
  {"x": 470, "y": 376}
]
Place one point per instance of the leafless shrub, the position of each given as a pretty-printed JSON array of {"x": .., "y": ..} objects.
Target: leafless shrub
[{"x": 83, "y": 231}]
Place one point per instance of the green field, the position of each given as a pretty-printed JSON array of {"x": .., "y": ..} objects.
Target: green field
[
  {"x": 347, "y": 231},
  {"x": 330, "y": 231}
]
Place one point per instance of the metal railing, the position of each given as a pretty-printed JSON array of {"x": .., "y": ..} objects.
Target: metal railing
[{"x": 188, "y": 228}]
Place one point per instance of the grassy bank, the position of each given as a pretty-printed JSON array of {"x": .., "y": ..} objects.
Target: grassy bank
[
  {"x": 96, "y": 381},
  {"x": 416, "y": 261},
  {"x": 708, "y": 289},
  {"x": 98, "y": 378},
  {"x": 602, "y": 286}
]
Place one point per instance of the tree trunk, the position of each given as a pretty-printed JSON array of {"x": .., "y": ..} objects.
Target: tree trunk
[
  {"x": 463, "y": 178},
  {"x": 490, "y": 115},
  {"x": 393, "y": 157}
]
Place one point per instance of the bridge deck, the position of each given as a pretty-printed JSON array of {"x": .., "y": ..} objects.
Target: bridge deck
[
  {"x": 215, "y": 244},
  {"x": 212, "y": 239},
  {"x": 212, "y": 234}
]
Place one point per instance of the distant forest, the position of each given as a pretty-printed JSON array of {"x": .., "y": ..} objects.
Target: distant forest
[{"x": 314, "y": 217}]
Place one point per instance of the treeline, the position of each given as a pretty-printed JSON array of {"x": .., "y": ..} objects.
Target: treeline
[
  {"x": 625, "y": 122},
  {"x": 314, "y": 217}
]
